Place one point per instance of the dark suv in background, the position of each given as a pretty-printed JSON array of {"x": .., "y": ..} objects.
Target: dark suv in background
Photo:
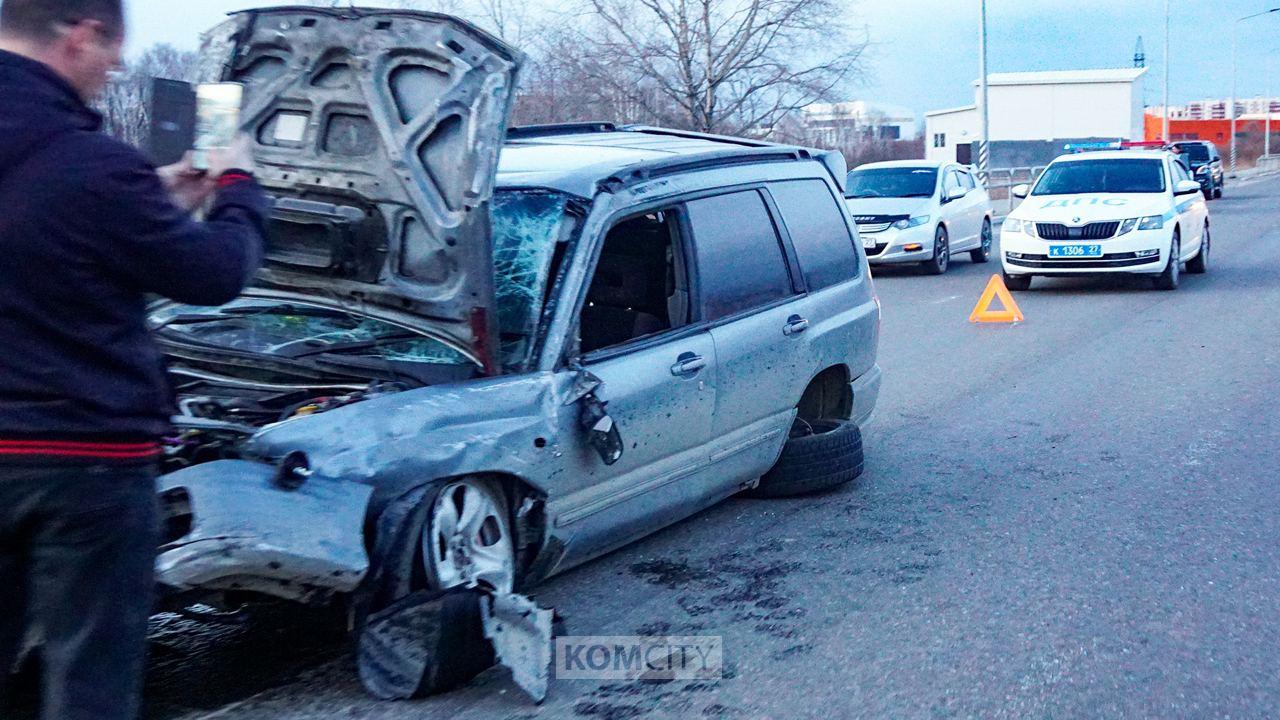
[{"x": 1205, "y": 163}]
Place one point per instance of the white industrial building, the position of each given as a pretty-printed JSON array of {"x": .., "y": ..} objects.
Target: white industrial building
[
  {"x": 1033, "y": 114},
  {"x": 861, "y": 119}
]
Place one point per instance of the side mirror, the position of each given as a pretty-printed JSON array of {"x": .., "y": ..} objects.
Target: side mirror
[
  {"x": 954, "y": 194},
  {"x": 1186, "y": 187},
  {"x": 593, "y": 416},
  {"x": 602, "y": 431},
  {"x": 1020, "y": 191}
]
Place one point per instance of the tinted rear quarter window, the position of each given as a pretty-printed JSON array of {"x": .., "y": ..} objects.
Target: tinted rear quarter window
[
  {"x": 818, "y": 231},
  {"x": 740, "y": 259}
]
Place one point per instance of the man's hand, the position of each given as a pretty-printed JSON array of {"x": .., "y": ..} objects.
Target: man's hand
[
  {"x": 237, "y": 157},
  {"x": 188, "y": 187}
]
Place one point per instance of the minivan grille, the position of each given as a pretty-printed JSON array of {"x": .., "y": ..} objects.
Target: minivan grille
[
  {"x": 1092, "y": 231},
  {"x": 876, "y": 223}
]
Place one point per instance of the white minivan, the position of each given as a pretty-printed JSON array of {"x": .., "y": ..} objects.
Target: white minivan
[{"x": 915, "y": 211}]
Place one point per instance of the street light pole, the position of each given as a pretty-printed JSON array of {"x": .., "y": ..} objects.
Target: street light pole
[
  {"x": 1266, "y": 137},
  {"x": 1164, "y": 134},
  {"x": 984, "y": 145},
  {"x": 1235, "y": 45}
]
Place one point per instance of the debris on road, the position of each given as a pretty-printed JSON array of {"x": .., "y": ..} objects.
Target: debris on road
[
  {"x": 521, "y": 634},
  {"x": 423, "y": 644},
  {"x": 432, "y": 642}
]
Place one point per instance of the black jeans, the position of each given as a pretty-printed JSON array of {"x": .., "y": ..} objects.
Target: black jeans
[{"x": 77, "y": 560}]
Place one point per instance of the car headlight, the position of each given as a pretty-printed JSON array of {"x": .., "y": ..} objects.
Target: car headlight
[
  {"x": 1027, "y": 227},
  {"x": 916, "y": 221},
  {"x": 1152, "y": 222},
  {"x": 1127, "y": 226}
]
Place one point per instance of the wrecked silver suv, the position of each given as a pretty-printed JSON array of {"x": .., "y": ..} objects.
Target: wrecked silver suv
[{"x": 518, "y": 366}]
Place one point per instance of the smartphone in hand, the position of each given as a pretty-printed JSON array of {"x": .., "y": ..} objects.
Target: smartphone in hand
[
  {"x": 173, "y": 121},
  {"x": 217, "y": 119}
]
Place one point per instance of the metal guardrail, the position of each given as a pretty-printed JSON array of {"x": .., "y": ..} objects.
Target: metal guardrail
[{"x": 1001, "y": 180}]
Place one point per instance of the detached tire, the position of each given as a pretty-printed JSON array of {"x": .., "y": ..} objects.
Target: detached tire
[{"x": 828, "y": 456}]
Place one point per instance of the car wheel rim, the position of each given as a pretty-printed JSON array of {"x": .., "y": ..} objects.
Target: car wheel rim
[
  {"x": 1175, "y": 264},
  {"x": 941, "y": 250},
  {"x": 469, "y": 541},
  {"x": 986, "y": 239},
  {"x": 1204, "y": 251}
]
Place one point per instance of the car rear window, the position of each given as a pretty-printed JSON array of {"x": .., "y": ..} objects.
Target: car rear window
[
  {"x": 740, "y": 259},
  {"x": 1196, "y": 152},
  {"x": 818, "y": 230}
]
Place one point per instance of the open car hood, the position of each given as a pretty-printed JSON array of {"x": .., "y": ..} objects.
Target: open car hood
[{"x": 378, "y": 133}]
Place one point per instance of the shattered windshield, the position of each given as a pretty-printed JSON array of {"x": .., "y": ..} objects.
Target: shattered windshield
[
  {"x": 527, "y": 226},
  {"x": 299, "y": 330}
]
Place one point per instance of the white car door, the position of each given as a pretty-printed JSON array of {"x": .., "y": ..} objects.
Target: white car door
[
  {"x": 952, "y": 210},
  {"x": 1192, "y": 211},
  {"x": 975, "y": 206}
]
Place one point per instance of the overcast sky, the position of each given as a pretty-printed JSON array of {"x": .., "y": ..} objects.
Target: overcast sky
[{"x": 925, "y": 52}]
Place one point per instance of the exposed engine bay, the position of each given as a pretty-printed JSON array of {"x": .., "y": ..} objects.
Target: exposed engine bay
[{"x": 217, "y": 414}]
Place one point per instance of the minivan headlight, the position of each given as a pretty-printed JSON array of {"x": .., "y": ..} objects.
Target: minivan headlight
[{"x": 916, "y": 221}]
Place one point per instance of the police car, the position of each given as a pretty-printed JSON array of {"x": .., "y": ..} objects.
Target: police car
[{"x": 1103, "y": 210}]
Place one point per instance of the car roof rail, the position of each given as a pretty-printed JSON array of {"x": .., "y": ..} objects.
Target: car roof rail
[
  {"x": 694, "y": 135},
  {"x": 528, "y": 132},
  {"x": 701, "y": 161}
]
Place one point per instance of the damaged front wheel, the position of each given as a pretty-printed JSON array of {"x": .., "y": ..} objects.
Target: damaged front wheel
[
  {"x": 468, "y": 541},
  {"x": 440, "y": 550}
]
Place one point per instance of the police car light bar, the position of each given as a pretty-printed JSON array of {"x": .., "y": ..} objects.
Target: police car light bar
[
  {"x": 1082, "y": 147},
  {"x": 1113, "y": 145}
]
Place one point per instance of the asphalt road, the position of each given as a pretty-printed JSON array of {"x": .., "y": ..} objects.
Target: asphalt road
[{"x": 1077, "y": 516}]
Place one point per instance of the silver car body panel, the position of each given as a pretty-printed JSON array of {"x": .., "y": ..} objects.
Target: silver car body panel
[{"x": 249, "y": 534}]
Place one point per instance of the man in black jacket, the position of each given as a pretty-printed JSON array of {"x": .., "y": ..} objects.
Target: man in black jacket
[{"x": 87, "y": 230}]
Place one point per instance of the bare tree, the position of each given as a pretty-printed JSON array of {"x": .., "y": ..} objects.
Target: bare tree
[
  {"x": 728, "y": 66},
  {"x": 126, "y": 105}
]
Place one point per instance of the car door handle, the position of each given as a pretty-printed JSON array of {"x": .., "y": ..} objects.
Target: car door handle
[
  {"x": 795, "y": 325},
  {"x": 688, "y": 364}
]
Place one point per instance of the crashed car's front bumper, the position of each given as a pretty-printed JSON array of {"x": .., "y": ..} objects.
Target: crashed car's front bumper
[{"x": 229, "y": 526}]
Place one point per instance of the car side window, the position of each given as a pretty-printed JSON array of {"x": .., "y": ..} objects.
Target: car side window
[
  {"x": 741, "y": 264},
  {"x": 966, "y": 180},
  {"x": 1180, "y": 172},
  {"x": 641, "y": 283},
  {"x": 818, "y": 230},
  {"x": 951, "y": 185}
]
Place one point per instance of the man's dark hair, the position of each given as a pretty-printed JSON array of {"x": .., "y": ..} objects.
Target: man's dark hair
[{"x": 40, "y": 19}]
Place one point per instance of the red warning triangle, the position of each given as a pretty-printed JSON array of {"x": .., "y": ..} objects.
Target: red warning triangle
[{"x": 982, "y": 312}]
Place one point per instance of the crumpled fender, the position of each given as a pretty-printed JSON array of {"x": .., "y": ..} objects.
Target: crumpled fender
[
  {"x": 247, "y": 533},
  {"x": 403, "y": 440}
]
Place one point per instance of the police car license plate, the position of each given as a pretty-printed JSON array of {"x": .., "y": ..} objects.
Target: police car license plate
[
  {"x": 1075, "y": 251},
  {"x": 868, "y": 242}
]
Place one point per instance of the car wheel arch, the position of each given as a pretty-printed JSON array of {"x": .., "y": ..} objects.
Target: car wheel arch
[
  {"x": 525, "y": 505},
  {"x": 828, "y": 395}
]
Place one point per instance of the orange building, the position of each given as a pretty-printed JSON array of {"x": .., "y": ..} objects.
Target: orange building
[{"x": 1219, "y": 131}]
